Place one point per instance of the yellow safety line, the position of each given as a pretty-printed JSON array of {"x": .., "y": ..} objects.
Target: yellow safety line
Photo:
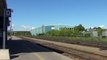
[{"x": 39, "y": 57}]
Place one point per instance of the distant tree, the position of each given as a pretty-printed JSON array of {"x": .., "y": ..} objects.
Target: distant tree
[
  {"x": 99, "y": 30},
  {"x": 75, "y": 31},
  {"x": 53, "y": 33},
  {"x": 80, "y": 27},
  {"x": 24, "y": 33}
]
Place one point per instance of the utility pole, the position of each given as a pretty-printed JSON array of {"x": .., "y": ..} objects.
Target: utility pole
[{"x": 11, "y": 27}]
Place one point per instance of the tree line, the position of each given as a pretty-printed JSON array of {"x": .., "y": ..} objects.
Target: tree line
[{"x": 76, "y": 31}]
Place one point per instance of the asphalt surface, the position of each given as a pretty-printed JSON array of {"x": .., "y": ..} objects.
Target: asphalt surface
[{"x": 24, "y": 50}]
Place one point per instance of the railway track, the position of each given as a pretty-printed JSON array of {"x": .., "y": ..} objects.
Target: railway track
[
  {"x": 72, "y": 53},
  {"x": 76, "y": 54}
]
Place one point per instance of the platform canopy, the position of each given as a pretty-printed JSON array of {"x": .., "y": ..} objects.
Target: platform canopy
[{"x": 3, "y": 5}]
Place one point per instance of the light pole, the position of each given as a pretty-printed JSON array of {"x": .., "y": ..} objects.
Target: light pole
[
  {"x": 4, "y": 32},
  {"x": 6, "y": 14}
]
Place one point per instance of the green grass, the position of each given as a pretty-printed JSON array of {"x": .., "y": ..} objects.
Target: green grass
[
  {"x": 90, "y": 40},
  {"x": 87, "y": 40}
]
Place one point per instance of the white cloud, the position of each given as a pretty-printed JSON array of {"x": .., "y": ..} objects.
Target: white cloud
[
  {"x": 24, "y": 26},
  {"x": 12, "y": 25},
  {"x": 92, "y": 27},
  {"x": 27, "y": 27},
  {"x": 32, "y": 27},
  {"x": 102, "y": 26}
]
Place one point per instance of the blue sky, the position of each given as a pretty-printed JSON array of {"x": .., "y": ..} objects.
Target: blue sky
[{"x": 33, "y": 13}]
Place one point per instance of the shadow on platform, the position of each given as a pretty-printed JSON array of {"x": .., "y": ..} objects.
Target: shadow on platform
[{"x": 22, "y": 46}]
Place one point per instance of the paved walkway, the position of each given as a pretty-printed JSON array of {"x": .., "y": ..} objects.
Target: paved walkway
[{"x": 24, "y": 50}]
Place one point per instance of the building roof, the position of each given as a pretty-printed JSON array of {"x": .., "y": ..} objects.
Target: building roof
[{"x": 3, "y": 4}]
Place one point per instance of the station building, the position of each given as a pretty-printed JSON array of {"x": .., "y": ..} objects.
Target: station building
[{"x": 45, "y": 29}]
